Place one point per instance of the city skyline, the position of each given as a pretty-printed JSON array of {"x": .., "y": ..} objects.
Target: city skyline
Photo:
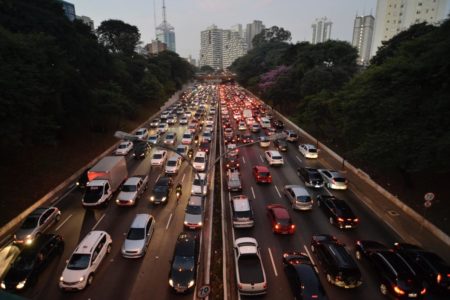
[{"x": 190, "y": 17}]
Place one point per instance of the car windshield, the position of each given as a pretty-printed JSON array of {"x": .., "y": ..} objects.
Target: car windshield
[
  {"x": 93, "y": 193},
  {"x": 171, "y": 163},
  {"x": 276, "y": 157},
  {"x": 79, "y": 261},
  {"x": 199, "y": 159},
  {"x": 136, "y": 234},
  {"x": 30, "y": 222},
  {"x": 129, "y": 188},
  {"x": 123, "y": 146},
  {"x": 199, "y": 181},
  {"x": 339, "y": 179},
  {"x": 312, "y": 150},
  {"x": 157, "y": 156},
  {"x": 303, "y": 199},
  {"x": 186, "y": 136},
  {"x": 243, "y": 214},
  {"x": 194, "y": 209},
  {"x": 263, "y": 174},
  {"x": 183, "y": 263},
  {"x": 23, "y": 262},
  {"x": 160, "y": 189}
]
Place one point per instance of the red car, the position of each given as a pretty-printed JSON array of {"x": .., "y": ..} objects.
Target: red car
[
  {"x": 280, "y": 219},
  {"x": 262, "y": 174}
]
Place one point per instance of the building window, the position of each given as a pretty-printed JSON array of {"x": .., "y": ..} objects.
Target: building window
[
  {"x": 418, "y": 12},
  {"x": 399, "y": 21},
  {"x": 419, "y": 4}
]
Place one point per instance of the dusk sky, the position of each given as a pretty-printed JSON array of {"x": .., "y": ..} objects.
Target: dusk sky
[{"x": 189, "y": 17}]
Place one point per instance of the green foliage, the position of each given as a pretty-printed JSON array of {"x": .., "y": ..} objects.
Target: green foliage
[
  {"x": 118, "y": 36},
  {"x": 207, "y": 69},
  {"x": 272, "y": 34}
]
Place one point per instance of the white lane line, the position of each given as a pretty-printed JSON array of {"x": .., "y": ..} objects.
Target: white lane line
[
  {"x": 243, "y": 159},
  {"x": 328, "y": 191},
  {"x": 64, "y": 222},
  {"x": 168, "y": 222},
  {"x": 253, "y": 192},
  {"x": 279, "y": 195},
  {"x": 157, "y": 178},
  {"x": 298, "y": 158},
  {"x": 182, "y": 178},
  {"x": 98, "y": 222},
  {"x": 273, "y": 263},
  {"x": 310, "y": 257},
  {"x": 262, "y": 160},
  {"x": 65, "y": 194}
]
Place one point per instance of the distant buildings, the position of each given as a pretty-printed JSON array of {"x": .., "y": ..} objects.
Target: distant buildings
[
  {"x": 86, "y": 20},
  {"x": 219, "y": 48},
  {"x": 251, "y": 30},
  {"x": 166, "y": 32},
  {"x": 362, "y": 37},
  {"x": 393, "y": 16},
  {"x": 155, "y": 47},
  {"x": 69, "y": 10},
  {"x": 321, "y": 30}
]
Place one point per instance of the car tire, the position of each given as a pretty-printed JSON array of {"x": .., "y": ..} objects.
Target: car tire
[
  {"x": 331, "y": 220},
  {"x": 90, "y": 279},
  {"x": 108, "y": 249},
  {"x": 383, "y": 289},
  {"x": 358, "y": 255}
]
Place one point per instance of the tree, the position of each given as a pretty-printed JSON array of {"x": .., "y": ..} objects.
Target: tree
[
  {"x": 118, "y": 36},
  {"x": 206, "y": 69},
  {"x": 272, "y": 34}
]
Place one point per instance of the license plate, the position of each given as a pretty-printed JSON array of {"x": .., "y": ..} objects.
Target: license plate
[
  {"x": 412, "y": 295},
  {"x": 348, "y": 226}
]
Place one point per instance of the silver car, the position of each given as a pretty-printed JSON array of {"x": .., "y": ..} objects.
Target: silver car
[
  {"x": 36, "y": 223},
  {"x": 139, "y": 236},
  {"x": 193, "y": 217},
  {"x": 333, "y": 179},
  {"x": 299, "y": 197}
]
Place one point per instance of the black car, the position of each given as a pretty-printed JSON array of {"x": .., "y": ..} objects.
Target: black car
[
  {"x": 231, "y": 162},
  {"x": 432, "y": 268},
  {"x": 83, "y": 179},
  {"x": 337, "y": 211},
  {"x": 247, "y": 138},
  {"x": 396, "y": 277},
  {"x": 140, "y": 149},
  {"x": 204, "y": 146},
  {"x": 281, "y": 145},
  {"x": 31, "y": 261},
  {"x": 161, "y": 190},
  {"x": 304, "y": 282},
  {"x": 339, "y": 267},
  {"x": 364, "y": 248},
  {"x": 311, "y": 177},
  {"x": 278, "y": 124},
  {"x": 184, "y": 263}
]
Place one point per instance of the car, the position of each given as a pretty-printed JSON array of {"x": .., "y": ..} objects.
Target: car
[
  {"x": 193, "y": 216},
  {"x": 172, "y": 120},
  {"x": 83, "y": 179},
  {"x": 242, "y": 212},
  {"x": 228, "y": 132},
  {"x": 270, "y": 131},
  {"x": 184, "y": 121},
  {"x": 138, "y": 237},
  {"x": 281, "y": 145},
  {"x": 242, "y": 125},
  {"x": 193, "y": 127},
  {"x": 36, "y": 223},
  {"x": 232, "y": 150},
  {"x": 262, "y": 174},
  {"x": 337, "y": 211},
  {"x": 280, "y": 219},
  {"x": 302, "y": 278},
  {"x": 274, "y": 158},
  {"x": 206, "y": 136},
  {"x": 173, "y": 165},
  {"x": 277, "y": 124},
  {"x": 200, "y": 161},
  {"x": 209, "y": 127},
  {"x": 204, "y": 146},
  {"x": 140, "y": 149},
  {"x": 363, "y": 248},
  {"x": 170, "y": 138},
  {"x": 291, "y": 136},
  {"x": 333, "y": 179},
  {"x": 183, "y": 269},
  {"x": 187, "y": 137},
  {"x": 159, "y": 158},
  {"x": 31, "y": 261},
  {"x": 311, "y": 177},
  {"x": 396, "y": 277},
  {"x": 154, "y": 138},
  {"x": 247, "y": 138},
  {"x": 124, "y": 148},
  {"x": 85, "y": 260},
  {"x": 209, "y": 120},
  {"x": 231, "y": 162},
  {"x": 182, "y": 150},
  {"x": 199, "y": 185},
  {"x": 234, "y": 180},
  {"x": 154, "y": 123},
  {"x": 161, "y": 190},
  {"x": 339, "y": 267},
  {"x": 432, "y": 268},
  {"x": 142, "y": 133},
  {"x": 308, "y": 151},
  {"x": 299, "y": 197},
  {"x": 255, "y": 127},
  {"x": 162, "y": 128},
  {"x": 249, "y": 121},
  {"x": 264, "y": 141}
]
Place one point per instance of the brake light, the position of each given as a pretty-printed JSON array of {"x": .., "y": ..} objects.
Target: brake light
[
  {"x": 398, "y": 290},
  {"x": 314, "y": 296},
  {"x": 448, "y": 275},
  {"x": 340, "y": 220},
  {"x": 293, "y": 226},
  {"x": 277, "y": 226},
  {"x": 423, "y": 291},
  {"x": 356, "y": 220},
  {"x": 439, "y": 278}
]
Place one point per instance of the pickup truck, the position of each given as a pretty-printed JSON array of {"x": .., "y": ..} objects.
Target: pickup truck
[
  {"x": 132, "y": 190},
  {"x": 250, "y": 274},
  {"x": 234, "y": 180}
]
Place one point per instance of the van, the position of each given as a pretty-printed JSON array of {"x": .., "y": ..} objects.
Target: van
[
  {"x": 84, "y": 261},
  {"x": 264, "y": 122}
]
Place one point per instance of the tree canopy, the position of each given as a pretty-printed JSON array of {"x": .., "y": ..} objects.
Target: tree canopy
[{"x": 118, "y": 36}]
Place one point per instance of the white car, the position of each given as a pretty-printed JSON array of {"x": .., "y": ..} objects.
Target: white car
[
  {"x": 206, "y": 136},
  {"x": 198, "y": 184},
  {"x": 159, "y": 158},
  {"x": 162, "y": 128},
  {"x": 242, "y": 126},
  {"x": 209, "y": 127},
  {"x": 142, "y": 133},
  {"x": 171, "y": 120},
  {"x": 170, "y": 139},
  {"x": 138, "y": 236},
  {"x": 199, "y": 162},
  {"x": 232, "y": 150},
  {"x": 308, "y": 150},
  {"x": 154, "y": 138},
  {"x": 274, "y": 157},
  {"x": 154, "y": 123},
  {"x": 209, "y": 120},
  {"x": 187, "y": 138},
  {"x": 192, "y": 127},
  {"x": 124, "y": 148},
  {"x": 173, "y": 164},
  {"x": 250, "y": 121},
  {"x": 183, "y": 121}
]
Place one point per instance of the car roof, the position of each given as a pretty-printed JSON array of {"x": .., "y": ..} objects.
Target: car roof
[
  {"x": 133, "y": 180},
  {"x": 298, "y": 190},
  {"x": 262, "y": 169},
  {"x": 195, "y": 200},
  {"x": 185, "y": 244},
  {"x": 241, "y": 203},
  {"x": 140, "y": 220},
  {"x": 279, "y": 211},
  {"x": 89, "y": 242}
]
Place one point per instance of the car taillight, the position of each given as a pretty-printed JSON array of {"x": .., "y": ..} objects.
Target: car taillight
[
  {"x": 293, "y": 226},
  {"x": 356, "y": 220},
  {"x": 423, "y": 291},
  {"x": 277, "y": 226},
  {"x": 314, "y": 296},
  {"x": 265, "y": 285},
  {"x": 340, "y": 220},
  {"x": 398, "y": 290}
]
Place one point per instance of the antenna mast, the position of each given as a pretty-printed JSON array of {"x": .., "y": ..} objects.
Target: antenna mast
[
  {"x": 154, "y": 18},
  {"x": 164, "y": 13}
]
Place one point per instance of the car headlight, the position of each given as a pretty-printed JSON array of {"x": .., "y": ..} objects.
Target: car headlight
[
  {"x": 171, "y": 282},
  {"x": 186, "y": 222},
  {"x": 163, "y": 199},
  {"x": 3, "y": 285},
  {"x": 191, "y": 283},
  {"x": 61, "y": 278},
  {"x": 200, "y": 223},
  {"x": 28, "y": 240},
  {"x": 81, "y": 279},
  {"x": 152, "y": 198},
  {"x": 21, "y": 284}
]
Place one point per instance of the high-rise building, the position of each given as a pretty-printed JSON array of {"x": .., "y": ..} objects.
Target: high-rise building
[
  {"x": 166, "y": 32},
  {"x": 238, "y": 28},
  {"x": 393, "y": 16},
  {"x": 362, "y": 37},
  {"x": 155, "y": 47},
  {"x": 86, "y": 20},
  {"x": 211, "y": 47},
  {"x": 321, "y": 30},
  {"x": 69, "y": 10},
  {"x": 233, "y": 47},
  {"x": 251, "y": 30}
]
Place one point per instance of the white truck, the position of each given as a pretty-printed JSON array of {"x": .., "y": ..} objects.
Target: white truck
[
  {"x": 132, "y": 190},
  {"x": 247, "y": 113},
  {"x": 104, "y": 179},
  {"x": 250, "y": 274}
]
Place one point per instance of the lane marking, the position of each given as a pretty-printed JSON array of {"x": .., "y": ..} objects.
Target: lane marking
[
  {"x": 182, "y": 178},
  {"x": 253, "y": 192},
  {"x": 328, "y": 192},
  {"x": 65, "y": 195},
  {"x": 157, "y": 178},
  {"x": 243, "y": 159},
  {"x": 168, "y": 222},
  {"x": 298, "y": 158},
  {"x": 273, "y": 263},
  {"x": 310, "y": 257},
  {"x": 64, "y": 222},
  {"x": 262, "y": 160},
  {"x": 279, "y": 195},
  {"x": 98, "y": 222}
]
